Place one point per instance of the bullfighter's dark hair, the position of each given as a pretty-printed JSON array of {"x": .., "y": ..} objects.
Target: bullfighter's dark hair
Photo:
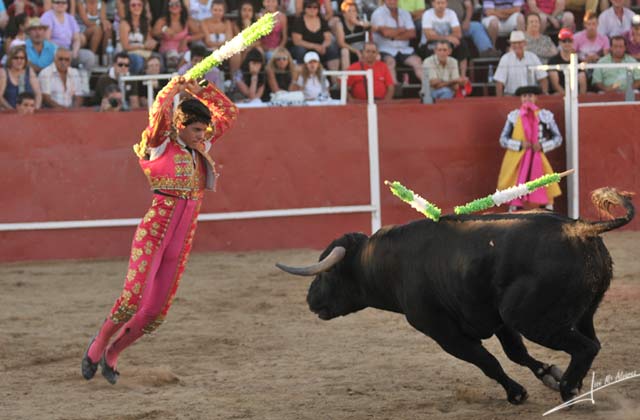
[{"x": 191, "y": 111}]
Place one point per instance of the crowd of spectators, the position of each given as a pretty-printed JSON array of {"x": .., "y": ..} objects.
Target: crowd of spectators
[{"x": 72, "y": 53}]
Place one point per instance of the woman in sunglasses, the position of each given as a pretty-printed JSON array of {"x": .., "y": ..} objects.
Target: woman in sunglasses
[
  {"x": 281, "y": 73},
  {"x": 310, "y": 32},
  {"x": 18, "y": 77},
  {"x": 174, "y": 156}
]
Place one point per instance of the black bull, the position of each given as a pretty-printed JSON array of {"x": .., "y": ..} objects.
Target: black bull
[{"x": 465, "y": 278}]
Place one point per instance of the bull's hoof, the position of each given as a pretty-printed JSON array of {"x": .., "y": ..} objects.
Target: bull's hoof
[
  {"x": 556, "y": 372},
  {"x": 550, "y": 375},
  {"x": 517, "y": 395},
  {"x": 551, "y": 382},
  {"x": 568, "y": 394}
]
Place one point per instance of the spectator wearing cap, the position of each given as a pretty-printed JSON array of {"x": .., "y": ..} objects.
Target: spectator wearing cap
[
  {"x": 537, "y": 42},
  {"x": 311, "y": 81},
  {"x": 633, "y": 38},
  {"x": 556, "y": 77},
  {"x": 60, "y": 83},
  {"x": 616, "y": 20},
  {"x": 589, "y": 43},
  {"x": 442, "y": 71},
  {"x": 310, "y": 32},
  {"x": 528, "y": 135},
  {"x": 40, "y": 50},
  {"x": 26, "y": 103},
  {"x": 513, "y": 68},
  {"x": 501, "y": 17},
  {"x": 614, "y": 79},
  {"x": 394, "y": 32},
  {"x": 382, "y": 80}
]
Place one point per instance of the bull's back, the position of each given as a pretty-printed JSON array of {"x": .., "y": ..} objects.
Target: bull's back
[{"x": 465, "y": 266}]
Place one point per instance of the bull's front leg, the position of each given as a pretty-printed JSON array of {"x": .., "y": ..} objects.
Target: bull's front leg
[{"x": 452, "y": 340}]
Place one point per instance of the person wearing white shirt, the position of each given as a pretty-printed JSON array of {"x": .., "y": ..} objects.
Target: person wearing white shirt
[
  {"x": 513, "y": 69},
  {"x": 60, "y": 83},
  {"x": 616, "y": 20},
  {"x": 395, "y": 30},
  {"x": 441, "y": 24}
]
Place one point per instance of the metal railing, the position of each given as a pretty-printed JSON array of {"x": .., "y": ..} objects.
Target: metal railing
[
  {"x": 571, "y": 107},
  {"x": 372, "y": 207}
]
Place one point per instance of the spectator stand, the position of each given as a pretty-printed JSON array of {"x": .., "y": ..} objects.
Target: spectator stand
[{"x": 571, "y": 110}]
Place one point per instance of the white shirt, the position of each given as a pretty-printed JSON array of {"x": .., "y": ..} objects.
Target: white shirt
[
  {"x": 514, "y": 73},
  {"x": 313, "y": 88},
  {"x": 441, "y": 25},
  {"x": 51, "y": 84},
  {"x": 610, "y": 25},
  {"x": 382, "y": 17}
]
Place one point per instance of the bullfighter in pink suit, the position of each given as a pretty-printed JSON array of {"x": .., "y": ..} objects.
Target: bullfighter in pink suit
[{"x": 174, "y": 156}]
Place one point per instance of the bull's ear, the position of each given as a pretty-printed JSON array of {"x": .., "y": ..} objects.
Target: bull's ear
[{"x": 336, "y": 254}]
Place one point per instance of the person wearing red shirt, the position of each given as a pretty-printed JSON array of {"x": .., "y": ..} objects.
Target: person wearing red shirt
[{"x": 383, "y": 87}]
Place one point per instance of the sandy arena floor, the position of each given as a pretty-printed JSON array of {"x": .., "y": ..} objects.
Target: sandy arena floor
[{"x": 240, "y": 343}]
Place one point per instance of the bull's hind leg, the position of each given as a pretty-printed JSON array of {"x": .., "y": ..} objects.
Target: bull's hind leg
[
  {"x": 455, "y": 342},
  {"x": 582, "y": 350},
  {"x": 515, "y": 349}
]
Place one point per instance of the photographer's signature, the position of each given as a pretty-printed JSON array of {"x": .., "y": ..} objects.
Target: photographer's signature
[{"x": 596, "y": 385}]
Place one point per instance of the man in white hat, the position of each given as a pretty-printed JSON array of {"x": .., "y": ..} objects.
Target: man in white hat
[
  {"x": 40, "y": 51},
  {"x": 513, "y": 68}
]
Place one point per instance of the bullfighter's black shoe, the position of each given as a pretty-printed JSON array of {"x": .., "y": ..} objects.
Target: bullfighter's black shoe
[
  {"x": 88, "y": 367},
  {"x": 109, "y": 373}
]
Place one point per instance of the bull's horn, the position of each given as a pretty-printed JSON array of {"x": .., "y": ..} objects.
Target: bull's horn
[{"x": 336, "y": 254}]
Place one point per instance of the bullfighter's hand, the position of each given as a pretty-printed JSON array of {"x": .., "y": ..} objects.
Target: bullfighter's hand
[
  {"x": 526, "y": 145},
  {"x": 536, "y": 147}
]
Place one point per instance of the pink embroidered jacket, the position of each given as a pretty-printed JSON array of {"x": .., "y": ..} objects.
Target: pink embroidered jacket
[{"x": 168, "y": 165}]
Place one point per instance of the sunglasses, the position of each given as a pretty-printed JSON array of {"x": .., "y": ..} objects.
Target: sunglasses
[
  {"x": 313, "y": 6},
  {"x": 174, "y": 3},
  {"x": 122, "y": 64},
  {"x": 282, "y": 58},
  {"x": 59, "y": 2},
  {"x": 63, "y": 59},
  {"x": 566, "y": 40},
  {"x": 19, "y": 57}
]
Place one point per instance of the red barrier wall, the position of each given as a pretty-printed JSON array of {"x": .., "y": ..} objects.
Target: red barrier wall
[{"x": 80, "y": 166}]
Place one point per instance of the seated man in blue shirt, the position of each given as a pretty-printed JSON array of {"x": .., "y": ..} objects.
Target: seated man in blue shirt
[{"x": 40, "y": 51}]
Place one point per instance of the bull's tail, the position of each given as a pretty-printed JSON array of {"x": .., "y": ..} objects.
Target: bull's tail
[{"x": 603, "y": 199}]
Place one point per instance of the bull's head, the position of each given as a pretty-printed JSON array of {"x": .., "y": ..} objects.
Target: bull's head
[{"x": 336, "y": 289}]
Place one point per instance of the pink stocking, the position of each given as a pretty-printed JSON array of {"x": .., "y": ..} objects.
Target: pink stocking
[
  {"x": 157, "y": 289},
  {"x": 108, "y": 329}
]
